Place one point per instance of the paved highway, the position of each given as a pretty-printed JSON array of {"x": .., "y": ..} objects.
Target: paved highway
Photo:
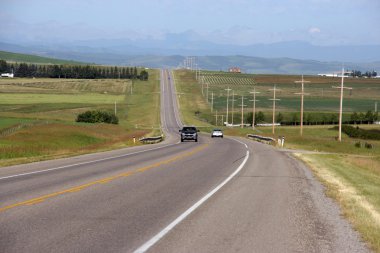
[{"x": 217, "y": 195}]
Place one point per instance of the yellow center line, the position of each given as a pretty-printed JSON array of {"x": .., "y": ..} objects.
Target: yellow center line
[{"x": 103, "y": 180}]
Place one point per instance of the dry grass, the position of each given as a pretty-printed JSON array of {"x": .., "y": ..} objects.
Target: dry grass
[
  {"x": 47, "y": 85},
  {"x": 59, "y": 101},
  {"x": 60, "y": 140},
  {"x": 190, "y": 98},
  {"x": 357, "y": 191}
]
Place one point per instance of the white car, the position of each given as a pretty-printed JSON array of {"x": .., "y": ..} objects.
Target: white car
[{"x": 216, "y": 133}]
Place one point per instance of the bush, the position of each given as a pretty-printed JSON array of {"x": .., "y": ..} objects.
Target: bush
[
  {"x": 358, "y": 144},
  {"x": 97, "y": 117},
  {"x": 356, "y": 132},
  {"x": 368, "y": 145}
]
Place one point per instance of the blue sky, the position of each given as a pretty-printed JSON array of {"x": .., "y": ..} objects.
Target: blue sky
[{"x": 243, "y": 22}]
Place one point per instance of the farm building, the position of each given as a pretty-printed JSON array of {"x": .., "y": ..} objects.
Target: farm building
[{"x": 234, "y": 70}]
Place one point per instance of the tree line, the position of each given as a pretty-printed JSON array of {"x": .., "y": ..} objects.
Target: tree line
[
  {"x": 358, "y": 73},
  {"x": 315, "y": 118},
  {"x": 72, "y": 71}
]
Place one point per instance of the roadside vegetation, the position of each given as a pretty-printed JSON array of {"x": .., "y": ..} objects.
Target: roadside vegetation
[
  {"x": 350, "y": 169},
  {"x": 38, "y": 116}
]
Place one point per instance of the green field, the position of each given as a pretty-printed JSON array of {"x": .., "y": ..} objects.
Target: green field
[
  {"x": 351, "y": 174},
  {"x": 322, "y": 97},
  {"x": 37, "y": 116}
]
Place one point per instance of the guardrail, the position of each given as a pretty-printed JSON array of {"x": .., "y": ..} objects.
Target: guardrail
[
  {"x": 151, "y": 139},
  {"x": 268, "y": 140}
]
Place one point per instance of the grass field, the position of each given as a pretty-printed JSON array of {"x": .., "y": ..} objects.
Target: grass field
[
  {"x": 37, "y": 116},
  {"x": 351, "y": 174}
]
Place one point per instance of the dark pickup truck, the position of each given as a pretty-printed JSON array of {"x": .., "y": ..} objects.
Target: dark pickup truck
[{"x": 189, "y": 133}]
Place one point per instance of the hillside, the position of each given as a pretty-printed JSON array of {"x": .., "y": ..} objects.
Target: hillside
[
  {"x": 28, "y": 58},
  {"x": 248, "y": 64}
]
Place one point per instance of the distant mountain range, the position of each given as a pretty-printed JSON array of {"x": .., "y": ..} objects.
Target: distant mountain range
[{"x": 278, "y": 58}]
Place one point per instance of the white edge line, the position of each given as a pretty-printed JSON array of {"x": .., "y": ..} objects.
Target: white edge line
[
  {"x": 83, "y": 163},
  {"x": 167, "y": 229}
]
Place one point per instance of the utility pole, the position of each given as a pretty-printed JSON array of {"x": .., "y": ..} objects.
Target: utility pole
[
  {"x": 254, "y": 92},
  {"x": 207, "y": 92},
  {"x": 228, "y": 94},
  {"x": 274, "y": 106},
  {"x": 212, "y": 101},
  {"x": 375, "y": 107},
  {"x": 302, "y": 94},
  {"x": 341, "y": 103},
  {"x": 242, "y": 111},
  {"x": 115, "y": 108},
  {"x": 196, "y": 71},
  {"x": 216, "y": 117},
  {"x": 232, "y": 109}
]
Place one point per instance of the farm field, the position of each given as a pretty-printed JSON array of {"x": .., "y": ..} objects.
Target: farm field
[
  {"x": 322, "y": 97},
  {"x": 350, "y": 172},
  {"x": 37, "y": 116}
]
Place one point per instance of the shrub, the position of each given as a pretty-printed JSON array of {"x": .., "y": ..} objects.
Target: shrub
[
  {"x": 358, "y": 144},
  {"x": 97, "y": 117},
  {"x": 356, "y": 132},
  {"x": 368, "y": 145}
]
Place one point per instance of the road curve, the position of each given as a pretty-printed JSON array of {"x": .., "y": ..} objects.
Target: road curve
[
  {"x": 228, "y": 195},
  {"x": 112, "y": 201}
]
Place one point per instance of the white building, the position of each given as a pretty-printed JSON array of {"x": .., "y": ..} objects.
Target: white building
[{"x": 337, "y": 74}]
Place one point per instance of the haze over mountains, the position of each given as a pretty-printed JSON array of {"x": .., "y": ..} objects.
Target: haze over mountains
[{"x": 289, "y": 57}]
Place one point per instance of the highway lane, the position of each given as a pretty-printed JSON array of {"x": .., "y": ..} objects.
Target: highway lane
[
  {"x": 273, "y": 205},
  {"x": 111, "y": 201}
]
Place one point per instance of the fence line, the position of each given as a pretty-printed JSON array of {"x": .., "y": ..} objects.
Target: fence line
[{"x": 10, "y": 130}]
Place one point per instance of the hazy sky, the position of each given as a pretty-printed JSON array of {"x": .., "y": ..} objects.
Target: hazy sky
[{"x": 321, "y": 22}]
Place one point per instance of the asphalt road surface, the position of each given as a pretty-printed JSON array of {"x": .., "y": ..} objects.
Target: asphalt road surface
[{"x": 216, "y": 195}]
